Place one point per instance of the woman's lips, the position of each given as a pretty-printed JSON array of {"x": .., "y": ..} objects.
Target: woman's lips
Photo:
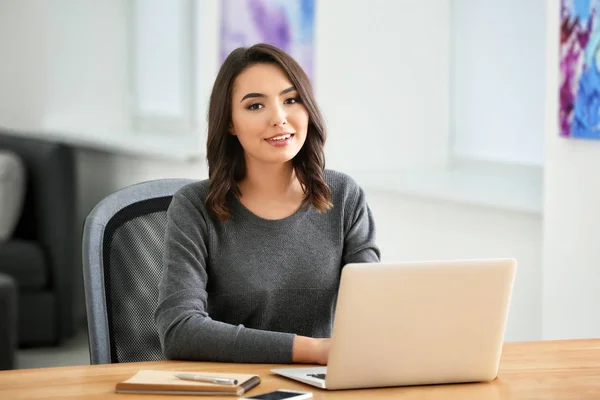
[{"x": 280, "y": 140}]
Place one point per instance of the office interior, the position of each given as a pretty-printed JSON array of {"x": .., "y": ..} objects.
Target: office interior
[{"x": 445, "y": 111}]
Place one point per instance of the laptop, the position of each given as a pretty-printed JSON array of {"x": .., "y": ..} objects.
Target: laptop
[{"x": 417, "y": 323}]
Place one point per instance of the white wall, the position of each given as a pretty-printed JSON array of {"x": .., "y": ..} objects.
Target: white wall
[
  {"x": 498, "y": 84},
  {"x": 382, "y": 80},
  {"x": 571, "y": 254},
  {"x": 22, "y": 63}
]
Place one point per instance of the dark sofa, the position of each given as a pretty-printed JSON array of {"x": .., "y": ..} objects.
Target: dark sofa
[{"x": 41, "y": 255}]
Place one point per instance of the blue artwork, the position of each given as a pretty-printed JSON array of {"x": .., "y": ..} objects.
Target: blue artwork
[
  {"x": 287, "y": 24},
  {"x": 580, "y": 69}
]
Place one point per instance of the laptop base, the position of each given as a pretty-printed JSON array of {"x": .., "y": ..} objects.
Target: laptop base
[{"x": 304, "y": 375}]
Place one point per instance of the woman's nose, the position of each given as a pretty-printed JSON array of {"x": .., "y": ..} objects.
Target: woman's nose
[{"x": 279, "y": 117}]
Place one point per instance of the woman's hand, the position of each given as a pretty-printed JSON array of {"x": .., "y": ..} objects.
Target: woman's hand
[
  {"x": 321, "y": 350},
  {"x": 311, "y": 351}
]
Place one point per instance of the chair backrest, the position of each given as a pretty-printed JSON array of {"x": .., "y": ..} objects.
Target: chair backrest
[{"x": 122, "y": 263}]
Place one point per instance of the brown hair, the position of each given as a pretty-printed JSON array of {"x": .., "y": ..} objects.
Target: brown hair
[{"x": 226, "y": 163}]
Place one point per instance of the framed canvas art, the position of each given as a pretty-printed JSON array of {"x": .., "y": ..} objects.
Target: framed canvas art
[
  {"x": 580, "y": 69},
  {"x": 287, "y": 24}
]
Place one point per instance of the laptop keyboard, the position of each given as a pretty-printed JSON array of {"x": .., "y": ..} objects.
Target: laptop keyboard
[{"x": 318, "y": 376}]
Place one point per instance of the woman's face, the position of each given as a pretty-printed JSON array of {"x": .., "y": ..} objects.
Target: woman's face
[{"x": 267, "y": 116}]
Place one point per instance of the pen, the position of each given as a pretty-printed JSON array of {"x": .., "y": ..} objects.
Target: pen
[{"x": 208, "y": 379}]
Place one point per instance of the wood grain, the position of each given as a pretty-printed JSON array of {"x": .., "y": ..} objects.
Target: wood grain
[{"x": 568, "y": 369}]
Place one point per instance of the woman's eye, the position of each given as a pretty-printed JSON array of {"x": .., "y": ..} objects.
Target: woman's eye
[
  {"x": 292, "y": 100},
  {"x": 254, "y": 106}
]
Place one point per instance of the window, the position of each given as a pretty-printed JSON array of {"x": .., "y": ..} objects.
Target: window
[{"x": 163, "y": 65}]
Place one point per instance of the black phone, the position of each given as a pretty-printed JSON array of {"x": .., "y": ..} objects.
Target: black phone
[{"x": 282, "y": 395}]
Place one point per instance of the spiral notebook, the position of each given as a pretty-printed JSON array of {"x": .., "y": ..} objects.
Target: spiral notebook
[{"x": 165, "y": 382}]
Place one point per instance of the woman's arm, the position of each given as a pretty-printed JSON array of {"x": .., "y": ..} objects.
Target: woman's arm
[
  {"x": 359, "y": 240},
  {"x": 310, "y": 350}
]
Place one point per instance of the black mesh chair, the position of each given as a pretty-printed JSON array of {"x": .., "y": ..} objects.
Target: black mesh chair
[{"x": 122, "y": 263}]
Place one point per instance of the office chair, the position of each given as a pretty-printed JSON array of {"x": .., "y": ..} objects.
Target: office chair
[{"x": 122, "y": 264}]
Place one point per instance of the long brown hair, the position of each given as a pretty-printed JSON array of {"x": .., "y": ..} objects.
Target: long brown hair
[{"x": 226, "y": 162}]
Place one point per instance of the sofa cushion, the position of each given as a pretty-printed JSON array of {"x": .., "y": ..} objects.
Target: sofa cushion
[
  {"x": 12, "y": 190},
  {"x": 25, "y": 262}
]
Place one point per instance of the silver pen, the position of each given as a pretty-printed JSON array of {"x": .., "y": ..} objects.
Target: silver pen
[{"x": 208, "y": 379}]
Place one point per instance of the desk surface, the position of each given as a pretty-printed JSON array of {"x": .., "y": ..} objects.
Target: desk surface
[{"x": 567, "y": 369}]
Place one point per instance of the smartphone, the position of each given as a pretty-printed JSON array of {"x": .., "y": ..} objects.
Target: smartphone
[{"x": 282, "y": 394}]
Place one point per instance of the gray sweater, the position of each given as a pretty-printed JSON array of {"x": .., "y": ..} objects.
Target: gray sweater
[{"x": 240, "y": 291}]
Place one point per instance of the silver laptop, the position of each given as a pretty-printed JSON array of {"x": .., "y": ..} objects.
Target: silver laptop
[{"x": 416, "y": 323}]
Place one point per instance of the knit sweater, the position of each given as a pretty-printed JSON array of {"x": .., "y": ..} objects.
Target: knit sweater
[{"x": 240, "y": 291}]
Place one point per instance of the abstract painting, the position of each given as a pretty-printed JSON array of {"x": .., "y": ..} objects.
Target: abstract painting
[
  {"x": 287, "y": 24},
  {"x": 580, "y": 69}
]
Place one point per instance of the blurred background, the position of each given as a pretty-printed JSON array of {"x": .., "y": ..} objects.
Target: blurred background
[{"x": 445, "y": 111}]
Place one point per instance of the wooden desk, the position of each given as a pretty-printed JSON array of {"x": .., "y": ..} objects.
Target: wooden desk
[{"x": 536, "y": 370}]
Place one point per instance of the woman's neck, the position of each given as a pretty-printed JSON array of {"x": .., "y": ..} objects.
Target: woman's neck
[{"x": 270, "y": 180}]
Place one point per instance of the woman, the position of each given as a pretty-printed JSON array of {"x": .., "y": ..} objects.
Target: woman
[{"x": 254, "y": 254}]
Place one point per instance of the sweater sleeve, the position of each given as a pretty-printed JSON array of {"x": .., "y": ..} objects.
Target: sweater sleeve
[
  {"x": 186, "y": 330},
  {"x": 359, "y": 240}
]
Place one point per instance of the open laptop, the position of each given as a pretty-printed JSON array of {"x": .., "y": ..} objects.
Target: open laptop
[{"x": 416, "y": 323}]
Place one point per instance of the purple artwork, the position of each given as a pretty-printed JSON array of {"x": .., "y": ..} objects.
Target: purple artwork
[
  {"x": 580, "y": 69},
  {"x": 287, "y": 24}
]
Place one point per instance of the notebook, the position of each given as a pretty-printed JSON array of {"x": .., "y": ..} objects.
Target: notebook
[{"x": 165, "y": 382}]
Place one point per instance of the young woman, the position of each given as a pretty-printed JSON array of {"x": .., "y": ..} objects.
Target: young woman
[{"x": 254, "y": 254}]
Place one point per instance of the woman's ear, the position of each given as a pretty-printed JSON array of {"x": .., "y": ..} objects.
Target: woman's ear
[{"x": 231, "y": 130}]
